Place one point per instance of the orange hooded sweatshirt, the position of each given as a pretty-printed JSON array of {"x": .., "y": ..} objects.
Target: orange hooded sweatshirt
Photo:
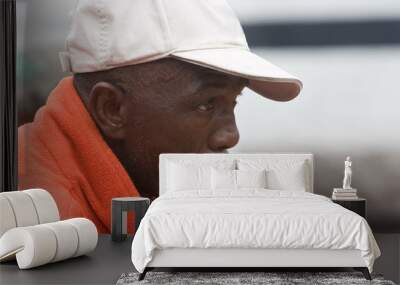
[{"x": 63, "y": 152}]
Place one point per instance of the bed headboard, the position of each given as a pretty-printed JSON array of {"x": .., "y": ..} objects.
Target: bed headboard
[{"x": 210, "y": 157}]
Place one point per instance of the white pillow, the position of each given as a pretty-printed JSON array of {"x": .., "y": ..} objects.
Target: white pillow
[
  {"x": 293, "y": 179},
  {"x": 228, "y": 179},
  {"x": 188, "y": 177},
  {"x": 193, "y": 173},
  {"x": 223, "y": 179},
  {"x": 251, "y": 178},
  {"x": 281, "y": 174}
]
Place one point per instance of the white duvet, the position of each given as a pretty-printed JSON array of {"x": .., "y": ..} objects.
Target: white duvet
[{"x": 250, "y": 219}]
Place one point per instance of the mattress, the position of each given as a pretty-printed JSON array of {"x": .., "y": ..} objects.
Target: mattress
[{"x": 250, "y": 218}]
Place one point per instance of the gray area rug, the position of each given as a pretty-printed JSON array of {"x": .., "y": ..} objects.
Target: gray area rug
[{"x": 273, "y": 278}]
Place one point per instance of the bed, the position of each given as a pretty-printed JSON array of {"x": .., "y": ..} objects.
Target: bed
[{"x": 246, "y": 211}]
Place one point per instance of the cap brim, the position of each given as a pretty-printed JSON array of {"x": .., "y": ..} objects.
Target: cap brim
[{"x": 265, "y": 78}]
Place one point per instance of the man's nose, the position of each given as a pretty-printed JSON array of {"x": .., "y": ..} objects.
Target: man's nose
[{"x": 224, "y": 138}]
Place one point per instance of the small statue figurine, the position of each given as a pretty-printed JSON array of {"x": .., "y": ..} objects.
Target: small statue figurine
[{"x": 347, "y": 174}]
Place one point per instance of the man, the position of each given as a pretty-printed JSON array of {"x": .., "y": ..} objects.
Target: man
[{"x": 147, "y": 79}]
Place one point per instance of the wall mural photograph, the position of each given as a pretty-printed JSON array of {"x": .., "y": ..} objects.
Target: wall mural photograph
[{"x": 199, "y": 141}]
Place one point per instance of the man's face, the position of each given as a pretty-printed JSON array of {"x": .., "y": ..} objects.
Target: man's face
[
  {"x": 190, "y": 112},
  {"x": 182, "y": 108}
]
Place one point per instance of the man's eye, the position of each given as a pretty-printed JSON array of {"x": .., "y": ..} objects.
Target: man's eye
[{"x": 205, "y": 107}]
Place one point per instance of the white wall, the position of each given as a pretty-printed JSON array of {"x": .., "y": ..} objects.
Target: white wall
[{"x": 350, "y": 105}]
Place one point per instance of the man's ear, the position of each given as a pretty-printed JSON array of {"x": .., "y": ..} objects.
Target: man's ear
[{"x": 107, "y": 105}]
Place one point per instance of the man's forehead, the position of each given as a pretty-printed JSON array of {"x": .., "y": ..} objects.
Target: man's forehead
[
  {"x": 218, "y": 80},
  {"x": 215, "y": 82},
  {"x": 181, "y": 78}
]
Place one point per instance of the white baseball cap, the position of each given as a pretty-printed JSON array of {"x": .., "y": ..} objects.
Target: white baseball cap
[{"x": 106, "y": 34}]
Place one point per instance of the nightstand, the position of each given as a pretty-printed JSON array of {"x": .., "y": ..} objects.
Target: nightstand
[
  {"x": 119, "y": 208},
  {"x": 358, "y": 205}
]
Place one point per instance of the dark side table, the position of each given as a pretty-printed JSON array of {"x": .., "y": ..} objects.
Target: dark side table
[
  {"x": 358, "y": 206},
  {"x": 119, "y": 209}
]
